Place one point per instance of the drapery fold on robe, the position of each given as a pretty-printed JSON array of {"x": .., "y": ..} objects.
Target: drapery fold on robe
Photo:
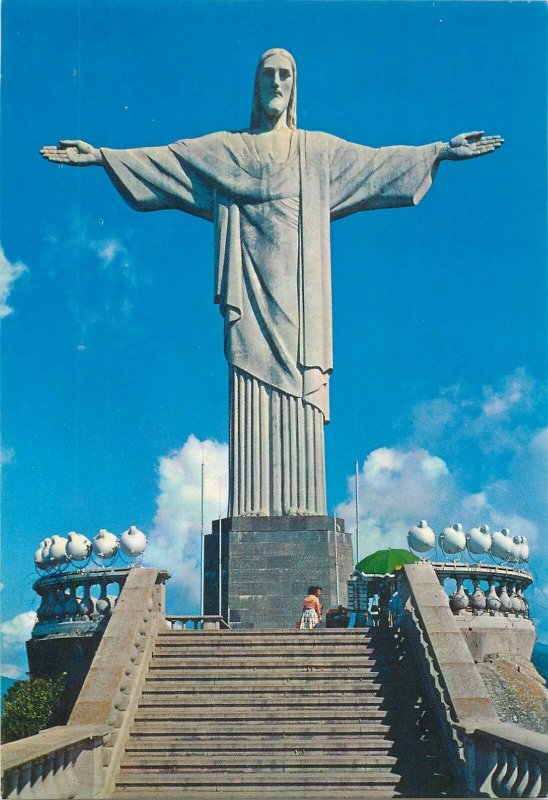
[{"x": 220, "y": 178}]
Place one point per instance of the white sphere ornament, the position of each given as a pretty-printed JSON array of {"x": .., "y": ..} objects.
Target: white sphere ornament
[
  {"x": 515, "y": 552},
  {"x": 520, "y": 550},
  {"x": 105, "y": 544},
  {"x": 421, "y": 537},
  {"x": 38, "y": 555},
  {"x": 57, "y": 550},
  {"x": 502, "y": 545},
  {"x": 78, "y": 546},
  {"x": 478, "y": 540},
  {"x": 133, "y": 542},
  {"x": 47, "y": 562},
  {"x": 453, "y": 540}
]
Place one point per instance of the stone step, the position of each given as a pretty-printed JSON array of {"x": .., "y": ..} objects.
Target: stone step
[
  {"x": 319, "y": 692},
  {"x": 166, "y": 674},
  {"x": 267, "y": 654},
  {"x": 293, "y": 643},
  {"x": 280, "y": 662},
  {"x": 288, "y": 697},
  {"x": 248, "y": 742},
  {"x": 302, "y": 779},
  {"x": 276, "y": 634},
  {"x": 253, "y": 682},
  {"x": 211, "y": 761},
  {"x": 206, "y": 665},
  {"x": 316, "y": 792},
  {"x": 148, "y": 727},
  {"x": 172, "y": 719}
]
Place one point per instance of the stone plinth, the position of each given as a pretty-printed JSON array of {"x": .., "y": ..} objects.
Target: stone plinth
[
  {"x": 267, "y": 564},
  {"x": 510, "y": 637}
]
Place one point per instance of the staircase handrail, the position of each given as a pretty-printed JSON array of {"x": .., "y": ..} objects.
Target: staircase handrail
[
  {"x": 488, "y": 758},
  {"x": 508, "y": 761},
  {"x": 113, "y": 685},
  {"x": 58, "y": 762},
  {"x": 108, "y": 698}
]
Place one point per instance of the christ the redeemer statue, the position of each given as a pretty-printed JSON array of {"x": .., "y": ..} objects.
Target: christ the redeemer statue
[{"x": 271, "y": 192}]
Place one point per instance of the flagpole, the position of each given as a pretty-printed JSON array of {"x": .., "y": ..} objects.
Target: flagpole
[
  {"x": 357, "y": 518},
  {"x": 202, "y": 540},
  {"x": 220, "y": 555},
  {"x": 336, "y": 558}
]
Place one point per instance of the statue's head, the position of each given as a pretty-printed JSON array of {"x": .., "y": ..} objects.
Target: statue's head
[{"x": 275, "y": 90}]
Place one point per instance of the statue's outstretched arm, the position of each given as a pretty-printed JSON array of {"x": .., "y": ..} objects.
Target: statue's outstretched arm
[
  {"x": 469, "y": 145},
  {"x": 73, "y": 152}
]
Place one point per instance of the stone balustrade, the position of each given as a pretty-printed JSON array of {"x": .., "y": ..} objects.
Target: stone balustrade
[
  {"x": 79, "y": 760},
  {"x": 488, "y": 758},
  {"x": 485, "y": 588},
  {"x": 508, "y": 761},
  {"x": 113, "y": 684},
  {"x": 480, "y": 589},
  {"x": 195, "y": 621},
  {"x": 57, "y": 763},
  {"x": 77, "y": 602}
]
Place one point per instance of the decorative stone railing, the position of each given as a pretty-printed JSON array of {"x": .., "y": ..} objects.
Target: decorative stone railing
[
  {"x": 195, "y": 621},
  {"x": 488, "y": 758},
  {"x": 505, "y": 760},
  {"x": 113, "y": 684},
  {"x": 503, "y": 594},
  {"x": 57, "y": 763},
  {"x": 480, "y": 589},
  {"x": 105, "y": 706},
  {"x": 68, "y": 603}
]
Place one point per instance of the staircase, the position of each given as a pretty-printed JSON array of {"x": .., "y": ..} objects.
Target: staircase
[{"x": 272, "y": 714}]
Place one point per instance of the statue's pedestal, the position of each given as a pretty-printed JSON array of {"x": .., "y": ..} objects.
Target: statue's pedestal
[{"x": 267, "y": 564}]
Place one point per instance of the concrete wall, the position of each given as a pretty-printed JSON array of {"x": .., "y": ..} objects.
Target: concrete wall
[{"x": 503, "y": 636}]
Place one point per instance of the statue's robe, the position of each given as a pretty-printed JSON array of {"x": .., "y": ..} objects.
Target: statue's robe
[{"x": 273, "y": 283}]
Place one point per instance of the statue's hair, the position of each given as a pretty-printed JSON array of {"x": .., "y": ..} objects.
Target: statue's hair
[{"x": 292, "y": 105}]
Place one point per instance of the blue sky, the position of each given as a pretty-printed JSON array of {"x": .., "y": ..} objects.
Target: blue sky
[{"x": 113, "y": 373}]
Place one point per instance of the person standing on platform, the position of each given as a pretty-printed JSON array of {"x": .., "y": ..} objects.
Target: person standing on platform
[{"x": 311, "y": 615}]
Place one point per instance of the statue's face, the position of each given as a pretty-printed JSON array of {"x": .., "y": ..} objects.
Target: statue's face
[{"x": 275, "y": 85}]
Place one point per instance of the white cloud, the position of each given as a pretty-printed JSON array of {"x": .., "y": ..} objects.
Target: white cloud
[
  {"x": 18, "y": 629},
  {"x": 12, "y": 671},
  {"x": 434, "y": 467},
  {"x": 7, "y": 455},
  {"x": 107, "y": 281},
  {"x": 432, "y": 418},
  {"x": 517, "y": 391},
  {"x": 496, "y": 422},
  {"x": 397, "y": 487},
  {"x": 9, "y": 273},
  {"x": 108, "y": 249},
  {"x": 14, "y": 633},
  {"x": 174, "y": 542}
]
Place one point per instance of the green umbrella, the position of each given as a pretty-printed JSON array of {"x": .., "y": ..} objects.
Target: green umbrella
[{"x": 384, "y": 562}]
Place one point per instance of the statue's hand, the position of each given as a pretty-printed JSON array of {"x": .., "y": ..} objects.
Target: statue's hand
[
  {"x": 73, "y": 152},
  {"x": 470, "y": 145}
]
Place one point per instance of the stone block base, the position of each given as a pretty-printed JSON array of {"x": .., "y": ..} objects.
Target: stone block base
[
  {"x": 267, "y": 564},
  {"x": 512, "y": 637}
]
